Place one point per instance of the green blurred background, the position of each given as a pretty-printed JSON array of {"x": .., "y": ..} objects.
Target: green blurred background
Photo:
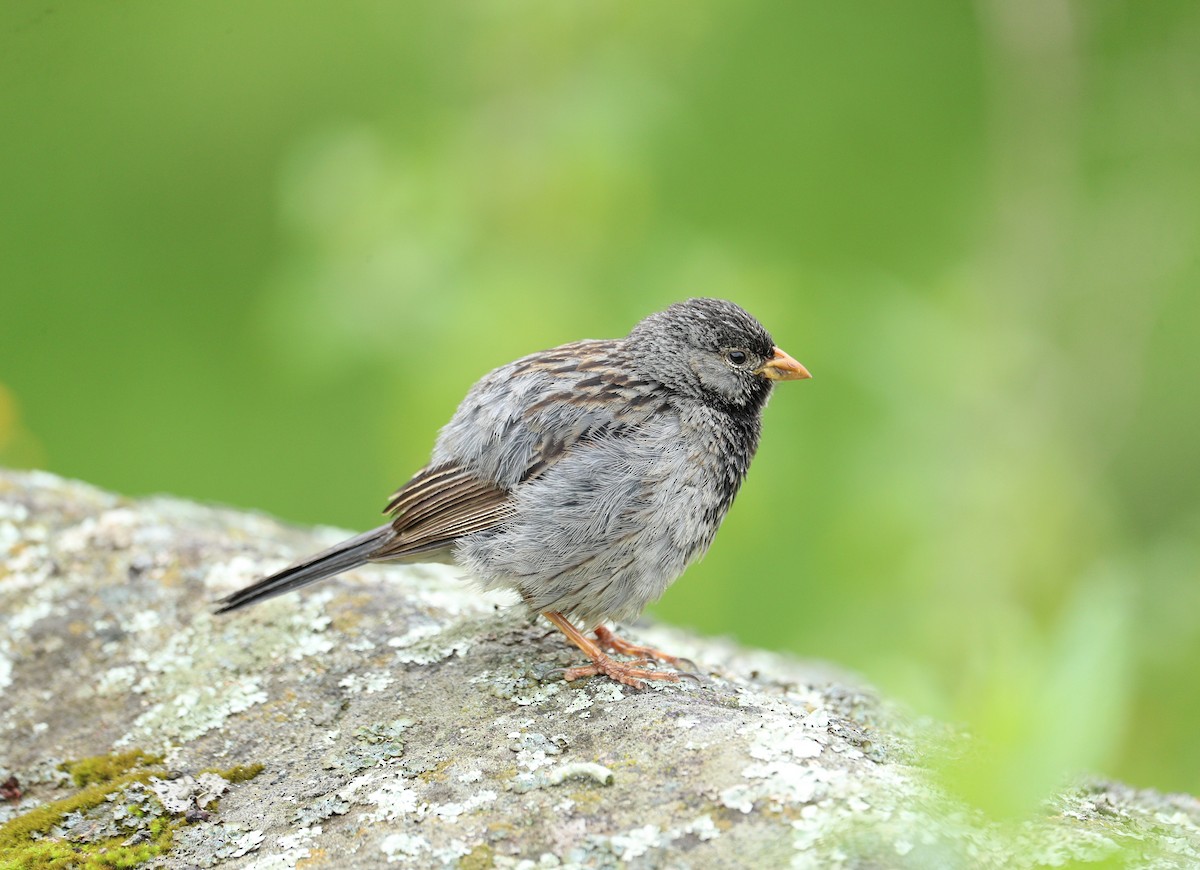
[{"x": 254, "y": 253}]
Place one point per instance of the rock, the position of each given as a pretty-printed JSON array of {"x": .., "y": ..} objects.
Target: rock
[{"x": 396, "y": 716}]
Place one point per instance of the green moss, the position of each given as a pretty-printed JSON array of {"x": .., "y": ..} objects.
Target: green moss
[
  {"x": 237, "y": 773},
  {"x": 101, "y": 855},
  {"x": 105, "y": 768},
  {"x": 41, "y": 819},
  {"x": 437, "y": 773},
  {"x": 25, "y": 843},
  {"x": 98, "y": 777},
  {"x": 481, "y": 857}
]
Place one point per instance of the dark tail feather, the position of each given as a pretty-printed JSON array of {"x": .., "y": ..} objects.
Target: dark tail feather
[{"x": 338, "y": 558}]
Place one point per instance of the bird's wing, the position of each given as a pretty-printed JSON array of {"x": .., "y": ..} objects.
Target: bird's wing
[
  {"x": 440, "y": 504},
  {"x": 523, "y": 418},
  {"x": 515, "y": 424}
]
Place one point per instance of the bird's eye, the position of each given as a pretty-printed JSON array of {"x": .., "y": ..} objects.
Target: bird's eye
[{"x": 737, "y": 357}]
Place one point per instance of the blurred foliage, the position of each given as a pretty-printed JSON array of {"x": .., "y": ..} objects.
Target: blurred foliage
[{"x": 255, "y": 253}]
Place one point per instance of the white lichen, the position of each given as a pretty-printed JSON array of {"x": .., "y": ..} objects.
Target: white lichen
[
  {"x": 450, "y": 812},
  {"x": 293, "y": 848},
  {"x": 116, "y": 680},
  {"x": 393, "y": 797},
  {"x": 404, "y": 847},
  {"x": 427, "y": 644},
  {"x": 375, "y": 681},
  {"x": 187, "y": 792},
  {"x": 195, "y": 711},
  {"x": 638, "y": 842},
  {"x": 703, "y": 828},
  {"x": 534, "y": 750},
  {"x": 6, "y": 665}
]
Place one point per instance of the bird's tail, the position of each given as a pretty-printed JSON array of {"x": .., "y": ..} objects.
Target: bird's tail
[{"x": 338, "y": 558}]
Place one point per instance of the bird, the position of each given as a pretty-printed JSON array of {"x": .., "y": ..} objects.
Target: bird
[{"x": 586, "y": 477}]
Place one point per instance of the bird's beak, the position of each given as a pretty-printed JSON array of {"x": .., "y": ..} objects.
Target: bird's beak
[{"x": 782, "y": 367}]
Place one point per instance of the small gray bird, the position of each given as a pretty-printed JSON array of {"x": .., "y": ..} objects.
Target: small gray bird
[{"x": 586, "y": 477}]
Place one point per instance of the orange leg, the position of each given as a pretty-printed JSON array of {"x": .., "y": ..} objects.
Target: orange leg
[
  {"x": 602, "y": 664},
  {"x": 612, "y": 643}
]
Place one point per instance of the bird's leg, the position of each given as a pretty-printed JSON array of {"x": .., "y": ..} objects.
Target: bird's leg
[
  {"x": 602, "y": 664},
  {"x": 612, "y": 643}
]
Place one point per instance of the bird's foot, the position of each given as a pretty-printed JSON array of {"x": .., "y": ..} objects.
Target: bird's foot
[
  {"x": 612, "y": 643},
  {"x": 627, "y": 673}
]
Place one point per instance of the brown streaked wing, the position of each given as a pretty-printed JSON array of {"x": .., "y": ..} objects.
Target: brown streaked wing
[
  {"x": 419, "y": 484},
  {"x": 439, "y": 505}
]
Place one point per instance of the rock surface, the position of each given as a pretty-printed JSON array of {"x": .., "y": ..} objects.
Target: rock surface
[{"x": 394, "y": 716}]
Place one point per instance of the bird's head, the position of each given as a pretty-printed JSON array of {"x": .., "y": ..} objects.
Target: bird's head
[{"x": 714, "y": 351}]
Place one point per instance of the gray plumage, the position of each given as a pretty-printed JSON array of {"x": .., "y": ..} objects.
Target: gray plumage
[{"x": 586, "y": 477}]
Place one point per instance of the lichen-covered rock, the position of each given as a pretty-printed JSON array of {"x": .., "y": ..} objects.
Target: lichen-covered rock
[{"x": 397, "y": 716}]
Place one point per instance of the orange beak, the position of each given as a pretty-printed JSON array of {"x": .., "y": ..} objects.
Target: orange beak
[{"x": 782, "y": 367}]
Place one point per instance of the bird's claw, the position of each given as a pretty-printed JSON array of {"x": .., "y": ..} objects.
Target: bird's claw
[
  {"x": 611, "y": 642},
  {"x": 626, "y": 673},
  {"x": 544, "y": 673}
]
